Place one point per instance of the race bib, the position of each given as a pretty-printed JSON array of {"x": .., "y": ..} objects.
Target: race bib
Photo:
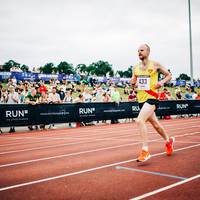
[{"x": 143, "y": 83}]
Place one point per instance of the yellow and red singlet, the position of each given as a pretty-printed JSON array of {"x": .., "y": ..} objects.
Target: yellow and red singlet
[{"x": 146, "y": 80}]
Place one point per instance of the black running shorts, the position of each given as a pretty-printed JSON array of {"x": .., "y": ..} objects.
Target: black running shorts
[{"x": 151, "y": 102}]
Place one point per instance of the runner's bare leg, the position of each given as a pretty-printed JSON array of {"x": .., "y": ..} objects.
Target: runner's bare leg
[
  {"x": 146, "y": 112},
  {"x": 158, "y": 127}
]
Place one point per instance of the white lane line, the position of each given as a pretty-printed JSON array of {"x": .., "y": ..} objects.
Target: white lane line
[
  {"x": 71, "y": 154},
  {"x": 87, "y": 170},
  {"x": 101, "y": 130},
  {"x": 88, "y": 138},
  {"x": 106, "y": 127},
  {"x": 166, "y": 188},
  {"x": 79, "y": 153}
]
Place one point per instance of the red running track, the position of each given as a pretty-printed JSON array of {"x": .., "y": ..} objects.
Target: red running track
[{"x": 99, "y": 163}]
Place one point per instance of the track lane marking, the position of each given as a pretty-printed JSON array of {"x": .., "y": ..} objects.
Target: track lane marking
[
  {"x": 166, "y": 188},
  {"x": 84, "y": 152},
  {"x": 88, "y": 151},
  {"x": 61, "y": 133},
  {"x": 82, "y": 142},
  {"x": 87, "y": 170}
]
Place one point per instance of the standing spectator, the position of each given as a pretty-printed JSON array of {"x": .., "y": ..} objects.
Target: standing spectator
[
  {"x": 43, "y": 99},
  {"x": 115, "y": 97},
  {"x": 33, "y": 99},
  {"x": 13, "y": 98},
  {"x": 54, "y": 98},
  {"x": 68, "y": 99}
]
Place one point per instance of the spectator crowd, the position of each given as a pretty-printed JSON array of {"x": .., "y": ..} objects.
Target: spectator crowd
[{"x": 56, "y": 92}]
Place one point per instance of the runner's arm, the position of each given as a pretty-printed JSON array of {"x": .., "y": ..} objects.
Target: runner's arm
[{"x": 165, "y": 72}]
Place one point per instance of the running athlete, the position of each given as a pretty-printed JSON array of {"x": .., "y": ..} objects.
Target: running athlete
[{"x": 145, "y": 80}]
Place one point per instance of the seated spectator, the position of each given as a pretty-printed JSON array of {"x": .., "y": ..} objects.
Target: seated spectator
[
  {"x": 87, "y": 97},
  {"x": 198, "y": 96},
  {"x": 165, "y": 95},
  {"x": 188, "y": 94},
  {"x": 126, "y": 90},
  {"x": 43, "y": 88},
  {"x": 106, "y": 97},
  {"x": 115, "y": 95},
  {"x": 54, "y": 97},
  {"x": 32, "y": 98},
  {"x": 1, "y": 87},
  {"x": 79, "y": 99},
  {"x": 4, "y": 96},
  {"x": 194, "y": 93},
  {"x": 99, "y": 94},
  {"x": 21, "y": 96},
  {"x": 132, "y": 96},
  {"x": 43, "y": 99},
  {"x": 68, "y": 97},
  {"x": 62, "y": 94},
  {"x": 178, "y": 94}
]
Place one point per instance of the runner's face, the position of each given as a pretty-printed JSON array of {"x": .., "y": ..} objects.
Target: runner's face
[{"x": 143, "y": 52}]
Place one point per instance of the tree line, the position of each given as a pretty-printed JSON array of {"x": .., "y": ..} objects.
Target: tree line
[{"x": 99, "y": 68}]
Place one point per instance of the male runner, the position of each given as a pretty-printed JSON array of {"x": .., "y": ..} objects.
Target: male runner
[{"x": 145, "y": 79}]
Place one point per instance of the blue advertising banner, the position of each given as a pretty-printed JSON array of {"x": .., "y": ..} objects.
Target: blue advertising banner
[
  {"x": 23, "y": 114},
  {"x": 21, "y": 76}
]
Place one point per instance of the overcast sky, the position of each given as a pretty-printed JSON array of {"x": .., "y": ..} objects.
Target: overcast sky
[{"x": 85, "y": 31}]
